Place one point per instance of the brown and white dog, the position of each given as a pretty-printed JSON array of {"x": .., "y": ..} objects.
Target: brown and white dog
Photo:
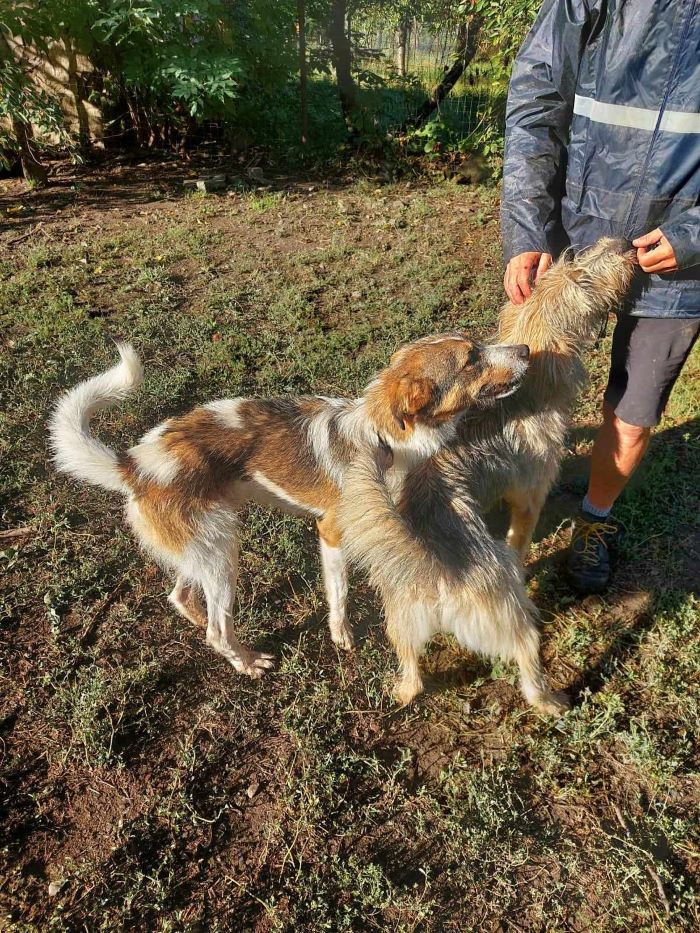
[{"x": 186, "y": 480}]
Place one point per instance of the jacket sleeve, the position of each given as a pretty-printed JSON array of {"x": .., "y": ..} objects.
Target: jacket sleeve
[
  {"x": 683, "y": 233},
  {"x": 538, "y": 116}
]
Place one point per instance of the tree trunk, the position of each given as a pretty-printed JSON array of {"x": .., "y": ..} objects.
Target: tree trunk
[
  {"x": 342, "y": 61},
  {"x": 465, "y": 49},
  {"x": 402, "y": 34},
  {"x": 74, "y": 84},
  {"x": 32, "y": 169},
  {"x": 303, "y": 72},
  {"x": 138, "y": 119}
]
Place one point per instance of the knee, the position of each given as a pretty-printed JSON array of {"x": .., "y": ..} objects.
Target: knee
[
  {"x": 627, "y": 435},
  {"x": 631, "y": 435}
]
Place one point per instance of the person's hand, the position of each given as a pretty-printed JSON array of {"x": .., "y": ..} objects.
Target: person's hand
[
  {"x": 655, "y": 253},
  {"x": 522, "y": 272}
]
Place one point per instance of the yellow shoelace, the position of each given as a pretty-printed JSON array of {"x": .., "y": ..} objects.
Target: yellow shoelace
[{"x": 590, "y": 533}]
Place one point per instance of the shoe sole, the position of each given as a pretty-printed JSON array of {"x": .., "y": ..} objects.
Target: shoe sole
[{"x": 588, "y": 590}]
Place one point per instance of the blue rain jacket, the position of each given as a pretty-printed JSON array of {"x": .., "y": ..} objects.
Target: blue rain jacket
[{"x": 603, "y": 137}]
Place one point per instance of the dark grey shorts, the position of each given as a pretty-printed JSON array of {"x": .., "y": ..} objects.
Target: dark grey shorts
[{"x": 647, "y": 357}]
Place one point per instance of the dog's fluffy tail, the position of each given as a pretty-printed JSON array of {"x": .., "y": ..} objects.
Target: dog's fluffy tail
[
  {"x": 75, "y": 450},
  {"x": 375, "y": 535}
]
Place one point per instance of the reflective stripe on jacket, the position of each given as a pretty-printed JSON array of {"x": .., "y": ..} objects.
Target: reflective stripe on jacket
[{"x": 603, "y": 137}]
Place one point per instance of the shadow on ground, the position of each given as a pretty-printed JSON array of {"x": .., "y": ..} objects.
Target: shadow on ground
[{"x": 640, "y": 578}]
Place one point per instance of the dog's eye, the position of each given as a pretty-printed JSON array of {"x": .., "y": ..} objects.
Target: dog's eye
[{"x": 473, "y": 356}]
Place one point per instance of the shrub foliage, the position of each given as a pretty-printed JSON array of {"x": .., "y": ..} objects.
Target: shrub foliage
[{"x": 163, "y": 68}]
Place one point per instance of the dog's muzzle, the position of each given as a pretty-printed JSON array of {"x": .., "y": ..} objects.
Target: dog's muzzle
[{"x": 513, "y": 357}]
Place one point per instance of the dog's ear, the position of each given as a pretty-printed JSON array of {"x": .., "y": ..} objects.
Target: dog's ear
[{"x": 411, "y": 395}]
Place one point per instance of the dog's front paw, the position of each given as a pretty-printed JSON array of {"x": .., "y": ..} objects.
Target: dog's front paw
[
  {"x": 251, "y": 663},
  {"x": 257, "y": 663},
  {"x": 552, "y": 703}
]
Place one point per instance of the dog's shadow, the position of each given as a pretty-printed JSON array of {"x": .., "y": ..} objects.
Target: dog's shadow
[
  {"x": 364, "y": 605},
  {"x": 451, "y": 668}
]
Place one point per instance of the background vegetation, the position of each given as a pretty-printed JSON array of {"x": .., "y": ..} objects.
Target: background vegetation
[{"x": 296, "y": 77}]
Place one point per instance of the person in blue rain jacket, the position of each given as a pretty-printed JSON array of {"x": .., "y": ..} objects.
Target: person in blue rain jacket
[{"x": 603, "y": 139}]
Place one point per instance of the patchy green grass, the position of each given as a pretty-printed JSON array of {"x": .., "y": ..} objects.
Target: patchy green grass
[{"x": 144, "y": 785}]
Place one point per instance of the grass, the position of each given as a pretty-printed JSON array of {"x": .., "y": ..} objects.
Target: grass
[{"x": 144, "y": 785}]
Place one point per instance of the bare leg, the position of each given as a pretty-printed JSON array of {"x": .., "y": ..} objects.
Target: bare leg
[
  {"x": 617, "y": 452},
  {"x": 335, "y": 579},
  {"x": 525, "y": 508}
]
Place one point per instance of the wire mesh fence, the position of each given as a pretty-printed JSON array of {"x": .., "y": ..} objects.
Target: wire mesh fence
[
  {"x": 392, "y": 89},
  {"x": 398, "y": 76}
]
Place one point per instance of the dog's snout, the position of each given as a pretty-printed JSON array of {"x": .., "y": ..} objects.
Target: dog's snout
[
  {"x": 620, "y": 246},
  {"x": 511, "y": 355}
]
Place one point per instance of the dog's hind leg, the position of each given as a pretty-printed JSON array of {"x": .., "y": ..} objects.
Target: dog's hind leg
[
  {"x": 498, "y": 623},
  {"x": 213, "y": 563},
  {"x": 185, "y": 599},
  {"x": 335, "y": 579},
  {"x": 525, "y": 507},
  {"x": 400, "y": 632},
  {"x": 533, "y": 682}
]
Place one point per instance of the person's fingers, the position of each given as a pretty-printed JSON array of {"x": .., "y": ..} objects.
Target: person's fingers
[
  {"x": 663, "y": 248},
  {"x": 649, "y": 258},
  {"x": 654, "y": 253},
  {"x": 648, "y": 239},
  {"x": 658, "y": 257},
  {"x": 522, "y": 280},
  {"x": 506, "y": 282},
  {"x": 513, "y": 293},
  {"x": 668, "y": 265},
  {"x": 520, "y": 273},
  {"x": 517, "y": 296},
  {"x": 511, "y": 286},
  {"x": 542, "y": 266}
]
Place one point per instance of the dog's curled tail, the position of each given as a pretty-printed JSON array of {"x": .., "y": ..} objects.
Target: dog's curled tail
[
  {"x": 75, "y": 450},
  {"x": 375, "y": 535}
]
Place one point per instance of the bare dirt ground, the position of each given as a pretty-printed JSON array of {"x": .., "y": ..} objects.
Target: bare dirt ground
[{"x": 143, "y": 785}]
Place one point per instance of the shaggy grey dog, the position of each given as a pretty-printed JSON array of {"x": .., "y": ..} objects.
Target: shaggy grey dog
[{"x": 431, "y": 556}]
